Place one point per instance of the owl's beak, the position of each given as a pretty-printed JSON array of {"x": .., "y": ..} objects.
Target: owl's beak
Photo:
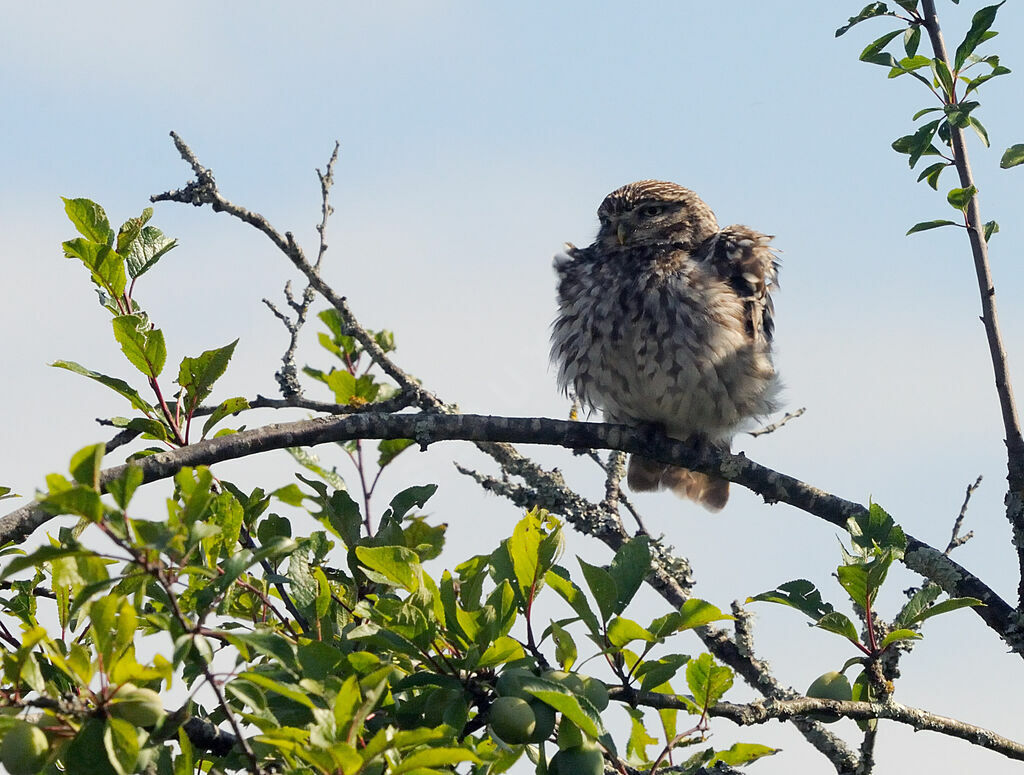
[{"x": 622, "y": 233}]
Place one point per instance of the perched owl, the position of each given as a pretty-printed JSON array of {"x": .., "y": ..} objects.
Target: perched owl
[{"x": 667, "y": 320}]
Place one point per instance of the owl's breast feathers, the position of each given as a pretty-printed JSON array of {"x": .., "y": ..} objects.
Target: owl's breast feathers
[{"x": 662, "y": 333}]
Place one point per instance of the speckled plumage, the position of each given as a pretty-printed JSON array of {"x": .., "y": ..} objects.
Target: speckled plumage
[{"x": 666, "y": 319}]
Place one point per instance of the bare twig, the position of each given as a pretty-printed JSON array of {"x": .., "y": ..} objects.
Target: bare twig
[
  {"x": 203, "y": 190},
  {"x": 955, "y": 538},
  {"x": 772, "y": 427},
  {"x": 288, "y": 376}
]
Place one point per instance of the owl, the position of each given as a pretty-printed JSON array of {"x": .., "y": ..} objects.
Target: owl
[{"x": 666, "y": 321}]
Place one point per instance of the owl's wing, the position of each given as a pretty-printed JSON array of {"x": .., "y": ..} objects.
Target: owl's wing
[{"x": 743, "y": 258}]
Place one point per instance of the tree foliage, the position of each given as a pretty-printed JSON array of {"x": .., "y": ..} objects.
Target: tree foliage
[{"x": 299, "y": 628}]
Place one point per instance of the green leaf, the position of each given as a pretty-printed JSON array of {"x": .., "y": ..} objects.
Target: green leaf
[
  {"x": 990, "y": 228},
  {"x": 148, "y": 247},
  {"x": 117, "y": 385},
  {"x": 121, "y": 741},
  {"x": 89, "y": 219},
  {"x": 86, "y": 465},
  {"x": 932, "y": 172},
  {"x": 105, "y": 265},
  {"x": 974, "y": 83},
  {"x": 959, "y": 198},
  {"x": 926, "y": 225},
  {"x": 979, "y": 130},
  {"x": 578, "y": 709},
  {"x": 622, "y": 631},
  {"x": 343, "y": 384},
  {"x": 912, "y": 39},
  {"x": 434, "y": 758},
  {"x": 417, "y": 496},
  {"x": 310, "y": 462},
  {"x": 602, "y": 587},
  {"x": 130, "y": 231},
  {"x": 876, "y": 529},
  {"x": 629, "y": 568},
  {"x": 532, "y": 549},
  {"x": 398, "y": 565},
  {"x": 86, "y": 753},
  {"x": 42, "y": 556},
  {"x": 696, "y": 613},
  {"x": 565, "y": 646},
  {"x": 899, "y": 635},
  {"x": 558, "y": 579},
  {"x": 839, "y": 624},
  {"x": 948, "y": 605},
  {"x": 80, "y": 501},
  {"x": 742, "y": 753},
  {"x": 1012, "y": 156},
  {"x": 226, "y": 407},
  {"x": 707, "y": 681},
  {"x": 799, "y": 594},
  {"x": 854, "y": 579},
  {"x": 870, "y": 11},
  {"x": 655, "y": 672},
  {"x": 198, "y": 375},
  {"x": 959, "y": 114},
  {"x": 142, "y": 345},
  {"x": 873, "y": 53},
  {"x": 291, "y": 494},
  {"x": 944, "y": 77},
  {"x": 292, "y": 692},
  {"x": 919, "y": 602},
  {"x": 389, "y": 449},
  {"x": 980, "y": 25},
  {"x": 921, "y": 141},
  {"x": 155, "y": 429}
]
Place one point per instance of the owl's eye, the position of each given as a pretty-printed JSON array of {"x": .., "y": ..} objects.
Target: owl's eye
[{"x": 649, "y": 211}]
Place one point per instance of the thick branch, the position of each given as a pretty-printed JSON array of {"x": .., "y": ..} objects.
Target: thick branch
[
  {"x": 782, "y": 710},
  {"x": 997, "y": 352},
  {"x": 429, "y": 427}
]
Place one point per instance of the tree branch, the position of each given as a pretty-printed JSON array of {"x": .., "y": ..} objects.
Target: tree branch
[
  {"x": 430, "y": 427},
  {"x": 997, "y": 352},
  {"x": 761, "y": 711}
]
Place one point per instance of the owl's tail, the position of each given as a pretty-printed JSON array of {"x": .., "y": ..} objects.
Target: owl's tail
[{"x": 643, "y": 474}]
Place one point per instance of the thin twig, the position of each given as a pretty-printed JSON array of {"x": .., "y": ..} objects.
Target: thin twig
[
  {"x": 772, "y": 427},
  {"x": 955, "y": 538}
]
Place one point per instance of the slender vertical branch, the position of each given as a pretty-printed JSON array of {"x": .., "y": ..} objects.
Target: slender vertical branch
[{"x": 997, "y": 352}]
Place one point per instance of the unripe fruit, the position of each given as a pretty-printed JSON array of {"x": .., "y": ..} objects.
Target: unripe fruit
[
  {"x": 513, "y": 720},
  {"x": 545, "y": 716},
  {"x": 141, "y": 707},
  {"x": 595, "y": 691},
  {"x": 583, "y": 760},
  {"x": 24, "y": 749},
  {"x": 829, "y": 686},
  {"x": 570, "y": 681},
  {"x": 509, "y": 683}
]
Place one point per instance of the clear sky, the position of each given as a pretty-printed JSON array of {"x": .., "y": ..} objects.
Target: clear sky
[{"x": 475, "y": 139}]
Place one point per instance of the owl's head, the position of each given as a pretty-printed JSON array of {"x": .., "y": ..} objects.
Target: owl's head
[{"x": 654, "y": 212}]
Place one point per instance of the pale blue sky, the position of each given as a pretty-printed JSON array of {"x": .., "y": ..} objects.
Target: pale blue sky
[{"x": 476, "y": 137}]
